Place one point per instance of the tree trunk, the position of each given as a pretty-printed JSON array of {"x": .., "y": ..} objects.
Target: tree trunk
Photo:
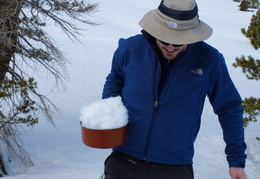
[
  {"x": 2, "y": 166},
  {"x": 9, "y": 23}
]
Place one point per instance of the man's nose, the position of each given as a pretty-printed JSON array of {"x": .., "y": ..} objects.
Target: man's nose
[{"x": 170, "y": 48}]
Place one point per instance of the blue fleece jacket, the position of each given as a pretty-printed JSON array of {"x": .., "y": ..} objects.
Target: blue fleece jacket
[{"x": 163, "y": 126}]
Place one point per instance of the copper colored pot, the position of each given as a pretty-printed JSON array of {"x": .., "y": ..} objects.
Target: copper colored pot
[{"x": 107, "y": 138}]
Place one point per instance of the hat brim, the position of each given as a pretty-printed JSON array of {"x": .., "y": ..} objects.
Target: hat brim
[{"x": 151, "y": 23}]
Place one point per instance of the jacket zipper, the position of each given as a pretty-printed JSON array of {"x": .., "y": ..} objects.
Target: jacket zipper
[
  {"x": 156, "y": 104},
  {"x": 156, "y": 107}
]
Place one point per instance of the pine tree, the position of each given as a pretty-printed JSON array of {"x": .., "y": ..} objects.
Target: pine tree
[
  {"x": 253, "y": 31},
  {"x": 251, "y": 68},
  {"x": 254, "y": 4},
  {"x": 24, "y": 44},
  {"x": 244, "y": 5}
]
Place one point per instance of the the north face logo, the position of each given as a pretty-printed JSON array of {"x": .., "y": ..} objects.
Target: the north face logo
[{"x": 197, "y": 71}]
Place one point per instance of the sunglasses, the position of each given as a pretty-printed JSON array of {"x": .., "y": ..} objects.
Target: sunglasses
[{"x": 167, "y": 44}]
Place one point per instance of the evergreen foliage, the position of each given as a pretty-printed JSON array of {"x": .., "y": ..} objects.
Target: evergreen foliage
[
  {"x": 254, "y": 4},
  {"x": 251, "y": 68},
  {"x": 251, "y": 107},
  {"x": 244, "y": 5},
  {"x": 253, "y": 31}
]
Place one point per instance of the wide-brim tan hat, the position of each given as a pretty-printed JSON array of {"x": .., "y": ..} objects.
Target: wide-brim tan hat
[{"x": 176, "y": 22}]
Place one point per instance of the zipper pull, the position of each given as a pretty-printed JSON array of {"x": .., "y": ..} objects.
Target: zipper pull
[{"x": 156, "y": 106}]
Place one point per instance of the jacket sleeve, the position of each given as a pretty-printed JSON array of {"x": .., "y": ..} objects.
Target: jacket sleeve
[
  {"x": 226, "y": 103},
  {"x": 115, "y": 79}
]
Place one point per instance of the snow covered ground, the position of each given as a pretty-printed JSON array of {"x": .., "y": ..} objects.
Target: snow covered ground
[{"x": 59, "y": 153}]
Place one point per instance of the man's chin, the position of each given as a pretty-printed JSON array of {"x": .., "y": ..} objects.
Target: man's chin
[{"x": 169, "y": 57}]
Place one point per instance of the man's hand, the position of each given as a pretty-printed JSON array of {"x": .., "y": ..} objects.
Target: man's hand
[{"x": 237, "y": 173}]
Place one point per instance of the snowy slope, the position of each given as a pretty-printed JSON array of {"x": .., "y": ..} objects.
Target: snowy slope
[{"x": 59, "y": 152}]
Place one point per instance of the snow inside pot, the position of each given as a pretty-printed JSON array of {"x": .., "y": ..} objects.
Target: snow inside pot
[{"x": 103, "y": 123}]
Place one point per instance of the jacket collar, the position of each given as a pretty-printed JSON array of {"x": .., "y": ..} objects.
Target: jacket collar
[{"x": 152, "y": 42}]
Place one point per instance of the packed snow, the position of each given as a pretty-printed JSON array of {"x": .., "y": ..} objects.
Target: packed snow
[
  {"x": 59, "y": 152},
  {"x": 107, "y": 113}
]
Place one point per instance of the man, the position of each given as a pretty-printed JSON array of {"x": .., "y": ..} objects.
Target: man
[{"x": 163, "y": 76}]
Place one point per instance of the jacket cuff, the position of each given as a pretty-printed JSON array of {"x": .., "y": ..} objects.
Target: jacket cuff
[{"x": 236, "y": 164}]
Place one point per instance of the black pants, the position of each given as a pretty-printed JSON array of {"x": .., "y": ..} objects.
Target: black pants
[{"x": 121, "y": 166}]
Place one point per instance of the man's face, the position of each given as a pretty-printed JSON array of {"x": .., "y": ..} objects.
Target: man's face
[{"x": 169, "y": 51}]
